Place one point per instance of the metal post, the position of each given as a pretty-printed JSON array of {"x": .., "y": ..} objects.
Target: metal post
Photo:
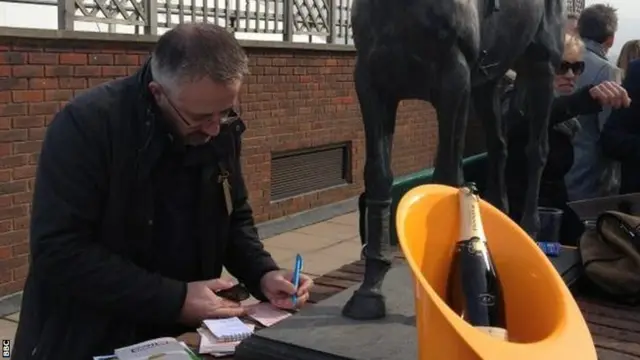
[
  {"x": 331, "y": 5},
  {"x": 66, "y": 12},
  {"x": 288, "y": 20},
  {"x": 151, "y": 23}
]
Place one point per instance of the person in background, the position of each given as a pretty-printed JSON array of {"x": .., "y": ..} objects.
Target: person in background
[
  {"x": 621, "y": 134},
  {"x": 568, "y": 103},
  {"x": 630, "y": 51},
  {"x": 571, "y": 27},
  {"x": 592, "y": 174},
  {"x": 139, "y": 202}
]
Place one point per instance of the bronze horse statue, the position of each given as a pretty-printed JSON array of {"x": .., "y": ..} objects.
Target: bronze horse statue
[{"x": 450, "y": 53}]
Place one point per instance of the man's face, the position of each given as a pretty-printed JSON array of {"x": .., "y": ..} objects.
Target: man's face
[{"x": 196, "y": 109}]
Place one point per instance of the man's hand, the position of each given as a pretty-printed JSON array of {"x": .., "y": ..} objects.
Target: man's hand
[
  {"x": 610, "y": 93},
  {"x": 201, "y": 302},
  {"x": 278, "y": 287}
]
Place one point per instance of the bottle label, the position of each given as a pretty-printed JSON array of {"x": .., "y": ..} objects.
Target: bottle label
[
  {"x": 474, "y": 246},
  {"x": 496, "y": 332}
]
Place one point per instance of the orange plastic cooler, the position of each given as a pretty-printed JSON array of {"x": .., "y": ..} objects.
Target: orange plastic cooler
[{"x": 543, "y": 319}]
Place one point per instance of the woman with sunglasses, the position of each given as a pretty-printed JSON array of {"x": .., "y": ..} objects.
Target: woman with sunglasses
[{"x": 563, "y": 125}]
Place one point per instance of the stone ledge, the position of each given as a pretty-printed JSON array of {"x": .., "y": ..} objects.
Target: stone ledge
[
  {"x": 46, "y": 34},
  {"x": 10, "y": 304}
]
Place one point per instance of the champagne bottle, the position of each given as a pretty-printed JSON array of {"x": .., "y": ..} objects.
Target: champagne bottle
[{"x": 475, "y": 291}]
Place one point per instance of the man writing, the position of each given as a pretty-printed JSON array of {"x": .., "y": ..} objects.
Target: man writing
[{"x": 139, "y": 202}]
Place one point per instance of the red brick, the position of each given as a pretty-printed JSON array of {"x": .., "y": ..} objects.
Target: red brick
[
  {"x": 43, "y": 58},
  {"x": 20, "y": 249},
  {"x": 12, "y": 212},
  {"x": 21, "y": 272},
  {"x": 71, "y": 83},
  {"x": 12, "y": 287},
  {"x": 5, "y": 252},
  {"x": 28, "y": 71},
  {"x": 12, "y": 161},
  {"x": 13, "y": 262},
  {"x": 87, "y": 71},
  {"x": 13, "y": 237},
  {"x": 22, "y": 198},
  {"x": 6, "y": 201},
  {"x": 6, "y": 226},
  {"x": 5, "y": 149},
  {"x": 36, "y": 133},
  {"x": 12, "y": 109},
  {"x": 43, "y": 83},
  {"x": 58, "y": 71},
  {"x": 122, "y": 59},
  {"x": 44, "y": 108},
  {"x": 23, "y": 122},
  {"x": 13, "y": 83},
  {"x": 20, "y": 96},
  {"x": 12, "y": 135},
  {"x": 101, "y": 59},
  {"x": 24, "y": 172},
  {"x": 13, "y": 58},
  {"x": 114, "y": 71},
  {"x": 26, "y": 147},
  {"x": 5, "y": 97},
  {"x": 5, "y": 70},
  {"x": 73, "y": 59},
  {"x": 58, "y": 95},
  {"x": 21, "y": 223}
]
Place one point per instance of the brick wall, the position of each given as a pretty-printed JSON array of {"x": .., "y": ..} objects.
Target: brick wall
[{"x": 293, "y": 99}]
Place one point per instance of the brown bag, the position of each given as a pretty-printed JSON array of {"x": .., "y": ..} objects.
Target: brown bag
[{"x": 611, "y": 256}]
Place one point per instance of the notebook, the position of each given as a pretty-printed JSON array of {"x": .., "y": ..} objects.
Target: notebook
[
  {"x": 266, "y": 314},
  {"x": 227, "y": 330},
  {"x": 211, "y": 346}
]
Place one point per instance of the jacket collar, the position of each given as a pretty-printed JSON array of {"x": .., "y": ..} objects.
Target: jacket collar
[{"x": 595, "y": 48}]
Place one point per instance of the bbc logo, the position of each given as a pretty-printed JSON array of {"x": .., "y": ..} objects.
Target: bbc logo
[{"x": 6, "y": 349}]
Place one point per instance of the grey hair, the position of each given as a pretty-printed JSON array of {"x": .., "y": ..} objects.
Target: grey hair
[
  {"x": 190, "y": 52},
  {"x": 598, "y": 22}
]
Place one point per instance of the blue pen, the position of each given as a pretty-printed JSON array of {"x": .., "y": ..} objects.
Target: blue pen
[{"x": 297, "y": 269}]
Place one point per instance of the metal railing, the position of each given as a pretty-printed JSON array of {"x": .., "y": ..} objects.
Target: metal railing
[{"x": 324, "y": 21}]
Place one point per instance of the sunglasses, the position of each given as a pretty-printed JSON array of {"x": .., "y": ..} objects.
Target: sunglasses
[
  {"x": 226, "y": 116},
  {"x": 576, "y": 67}
]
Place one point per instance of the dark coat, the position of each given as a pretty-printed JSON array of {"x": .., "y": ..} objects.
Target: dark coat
[
  {"x": 92, "y": 221},
  {"x": 553, "y": 192},
  {"x": 620, "y": 137}
]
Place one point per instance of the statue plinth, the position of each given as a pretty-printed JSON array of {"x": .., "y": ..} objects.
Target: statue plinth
[{"x": 321, "y": 332}]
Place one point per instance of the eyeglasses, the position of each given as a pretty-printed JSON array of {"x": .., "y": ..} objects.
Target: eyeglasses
[
  {"x": 576, "y": 67},
  {"x": 226, "y": 116}
]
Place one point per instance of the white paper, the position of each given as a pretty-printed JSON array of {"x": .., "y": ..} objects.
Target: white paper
[
  {"x": 211, "y": 346},
  {"x": 227, "y": 328}
]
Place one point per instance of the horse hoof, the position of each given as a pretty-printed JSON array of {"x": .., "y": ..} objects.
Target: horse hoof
[{"x": 365, "y": 305}]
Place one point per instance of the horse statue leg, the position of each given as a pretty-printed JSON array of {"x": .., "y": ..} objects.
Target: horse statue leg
[
  {"x": 486, "y": 100},
  {"x": 379, "y": 116},
  {"x": 451, "y": 101},
  {"x": 539, "y": 81}
]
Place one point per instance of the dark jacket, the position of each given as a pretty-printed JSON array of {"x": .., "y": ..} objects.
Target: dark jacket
[
  {"x": 553, "y": 192},
  {"x": 620, "y": 138},
  {"x": 92, "y": 221}
]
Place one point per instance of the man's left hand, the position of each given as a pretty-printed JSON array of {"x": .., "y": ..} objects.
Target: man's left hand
[
  {"x": 278, "y": 287},
  {"x": 610, "y": 93}
]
